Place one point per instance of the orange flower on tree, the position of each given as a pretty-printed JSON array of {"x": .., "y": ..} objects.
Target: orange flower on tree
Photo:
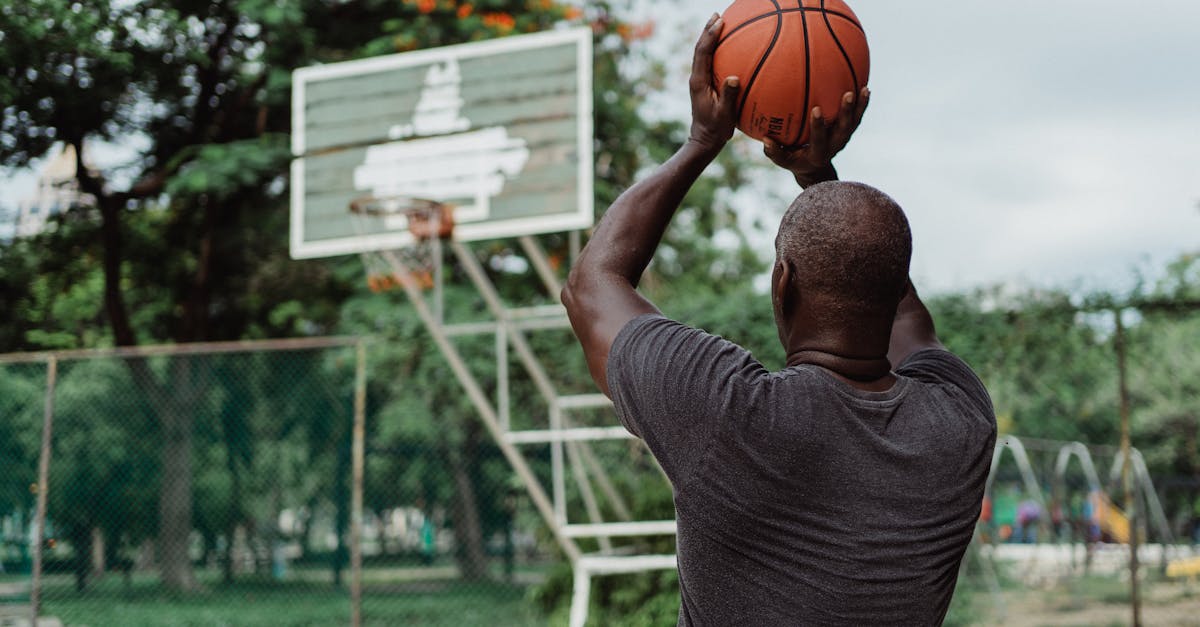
[
  {"x": 465, "y": 10},
  {"x": 635, "y": 32},
  {"x": 502, "y": 22},
  {"x": 426, "y": 6}
]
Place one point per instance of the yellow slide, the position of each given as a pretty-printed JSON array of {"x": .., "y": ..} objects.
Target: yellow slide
[
  {"x": 1112, "y": 520},
  {"x": 1189, "y": 567},
  {"x": 1114, "y": 523}
]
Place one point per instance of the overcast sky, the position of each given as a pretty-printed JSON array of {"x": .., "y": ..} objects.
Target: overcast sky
[{"x": 1046, "y": 143}]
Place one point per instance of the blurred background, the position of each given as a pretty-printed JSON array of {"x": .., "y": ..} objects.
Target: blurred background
[{"x": 188, "y": 393}]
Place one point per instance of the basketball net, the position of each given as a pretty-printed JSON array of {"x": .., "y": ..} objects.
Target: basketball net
[{"x": 417, "y": 265}]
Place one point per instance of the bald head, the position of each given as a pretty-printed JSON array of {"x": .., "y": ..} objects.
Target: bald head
[{"x": 850, "y": 244}]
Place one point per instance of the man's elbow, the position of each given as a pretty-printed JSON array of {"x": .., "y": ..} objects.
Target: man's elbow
[
  {"x": 567, "y": 296},
  {"x": 576, "y": 288},
  {"x": 570, "y": 290}
]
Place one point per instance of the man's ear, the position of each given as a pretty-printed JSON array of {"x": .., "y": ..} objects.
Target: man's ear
[{"x": 785, "y": 294}]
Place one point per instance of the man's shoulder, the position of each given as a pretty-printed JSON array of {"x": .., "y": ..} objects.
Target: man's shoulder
[
  {"x": 650, "y": 334},
  {"x": 936, "y": 364},
  {"x": 939, "y": 366}
]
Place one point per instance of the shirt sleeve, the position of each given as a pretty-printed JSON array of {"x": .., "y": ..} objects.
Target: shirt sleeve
[
  {"x": 675, "y": 387},
  {"x": 938, "y": 366}
]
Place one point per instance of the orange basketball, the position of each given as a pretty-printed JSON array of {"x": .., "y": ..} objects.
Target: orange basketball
[{"x": 791, "y": 57}]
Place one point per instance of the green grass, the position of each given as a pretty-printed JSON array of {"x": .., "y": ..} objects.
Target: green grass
[{"x": 265, "y": 602}]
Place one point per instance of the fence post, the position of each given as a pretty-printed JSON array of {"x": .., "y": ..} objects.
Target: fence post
[
  {"x": 39, "y": 534},
  {"x": 358, "y": 454},
  {"x": 1131, "y": 501}
]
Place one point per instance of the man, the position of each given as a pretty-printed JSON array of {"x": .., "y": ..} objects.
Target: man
[{"x": 843, "y": 489}]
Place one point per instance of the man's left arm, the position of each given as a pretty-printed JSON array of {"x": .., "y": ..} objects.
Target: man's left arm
[{"x": 601, "y": 291}]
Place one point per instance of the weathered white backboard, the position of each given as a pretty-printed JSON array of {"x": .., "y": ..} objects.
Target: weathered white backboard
[{"x": 501, "y": 129}]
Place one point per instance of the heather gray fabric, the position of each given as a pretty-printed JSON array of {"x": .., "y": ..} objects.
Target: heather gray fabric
[{"x": 800, "y": 499}]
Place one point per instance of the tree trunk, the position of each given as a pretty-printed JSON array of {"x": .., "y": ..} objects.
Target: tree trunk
[
  {"x": 171, "y": 401},
  {"x": 81, "y": 543},
  {"x": 341, "y": 501},
  {"x": 227, "y": 570},
  {"x": 99, "y": 552},
  {"x": 175, "y": 496},
  {"x": 384, "y": 527},
  {"x": 310, "y": 511},
  {"x": 235, "y": 510},
  {"x": 469, "y": 551}
]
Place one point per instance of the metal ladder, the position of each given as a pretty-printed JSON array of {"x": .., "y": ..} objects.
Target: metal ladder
[{"x": 569, "y": 444}]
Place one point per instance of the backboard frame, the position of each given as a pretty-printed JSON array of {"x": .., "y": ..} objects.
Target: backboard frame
[{"x": 583, "y": 216}]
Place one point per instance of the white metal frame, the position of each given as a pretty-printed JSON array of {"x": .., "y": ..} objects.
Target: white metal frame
[{"x": 568, "y": 444}]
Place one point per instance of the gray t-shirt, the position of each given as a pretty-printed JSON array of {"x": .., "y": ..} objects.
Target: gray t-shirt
[{"x": 802, "y": 500}]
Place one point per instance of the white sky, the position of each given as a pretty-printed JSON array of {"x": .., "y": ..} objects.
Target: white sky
[{"x": 1046, "y": 143}]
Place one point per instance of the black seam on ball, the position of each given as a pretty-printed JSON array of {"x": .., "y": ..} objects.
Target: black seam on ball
[
  {"x": 763, "y": 16},
  {"x": 761, "y": 60}
]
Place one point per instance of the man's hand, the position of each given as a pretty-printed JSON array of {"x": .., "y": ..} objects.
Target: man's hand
[
  {"x": 813, "y": 162},
  {"x": 714, "y": 115}
]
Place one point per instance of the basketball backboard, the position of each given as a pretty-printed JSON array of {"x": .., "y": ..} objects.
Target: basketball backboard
[{"x": 500, "y": 129}]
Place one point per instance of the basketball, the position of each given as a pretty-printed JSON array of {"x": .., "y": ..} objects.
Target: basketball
[{"x": 791, "y": 58}]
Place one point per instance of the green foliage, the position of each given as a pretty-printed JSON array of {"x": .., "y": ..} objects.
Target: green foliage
[
  {"x": 265, "y": 603},
  {"x": 1165, "y": 378},
  {"x": 52, "y": 289},
  {"x": 22, "y": 390},
  {"x": 100, "y": 460},
  {"x": 1050, "y": 371},
  {"x": 221, "y": 169},
  {"x": 66, "y": 73}
]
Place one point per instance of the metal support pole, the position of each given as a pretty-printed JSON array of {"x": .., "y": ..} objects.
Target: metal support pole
[
  {"x": 486, "y": 411},
  {"x": 358, "y": 455},
  {"x": 1131, "y": 503},
  {"x": 606, "y": 485},
  {"x": 503, "y": 401},
  {"x": 528, "y": 359},
  {"x": 585, "y": 490},
  {"x": 581, "y": 597},
  {"x": 541, "y": 263},
  {"x": 557, "y": 474},
  {"x": 439, "y": 289},
  {"x": 43, "y": 487},
  {"x": 575, "y": 243},
  {"x": 488, "y": 291}
]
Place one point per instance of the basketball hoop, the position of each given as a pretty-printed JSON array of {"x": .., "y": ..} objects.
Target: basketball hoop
[{"x": 417, "y": 265}]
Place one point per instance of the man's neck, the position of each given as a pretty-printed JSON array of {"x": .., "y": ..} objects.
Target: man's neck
[{"x": 873, "y": 374}]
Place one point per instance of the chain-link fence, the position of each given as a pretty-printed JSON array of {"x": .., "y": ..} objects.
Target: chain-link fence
[{"x": 217, "y": 485}]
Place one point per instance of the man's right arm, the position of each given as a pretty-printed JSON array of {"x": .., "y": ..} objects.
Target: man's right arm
[{"x": 912, "y": 329}]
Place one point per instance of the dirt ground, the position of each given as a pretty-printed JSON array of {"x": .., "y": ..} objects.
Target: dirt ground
[{"x": 1165, "y": 605}]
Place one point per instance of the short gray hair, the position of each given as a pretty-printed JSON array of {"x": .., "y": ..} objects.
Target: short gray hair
[{"x": 850, "y": 242}]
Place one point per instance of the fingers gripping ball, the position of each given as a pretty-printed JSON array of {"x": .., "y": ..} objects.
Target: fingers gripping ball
[{"x": 791, "y": 57}]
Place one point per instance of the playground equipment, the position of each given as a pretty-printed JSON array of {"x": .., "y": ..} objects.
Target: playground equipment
[
  {"x": 1189, "y": 567},
  {"x": 1101, "y": 511}
]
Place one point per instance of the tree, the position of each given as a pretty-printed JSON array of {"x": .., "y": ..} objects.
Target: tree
[
  {"x": 1164, "y": 371},
  {"x": 192, "y": 80},
  {"x": 1050, "y": 368}
]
